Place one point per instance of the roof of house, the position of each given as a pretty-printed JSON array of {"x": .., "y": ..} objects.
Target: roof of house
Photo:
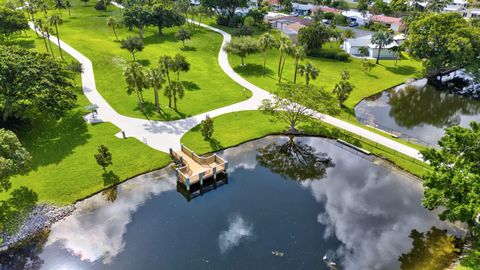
[
  {"x": 387, "y": 19},
  {"x": 273, "y": 2},
  {"x": 302, "y": 6},
  {"x": 352, "y": 14},
  {"x": 293, "y": 19},
  {"x": 365, "y": 41},
  {"x": 326, "y": 9},
  {"x": 295, "y": 27}
]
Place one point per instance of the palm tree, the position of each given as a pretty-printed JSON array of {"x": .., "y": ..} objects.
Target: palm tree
[
  {"x": 59, "y": 4},
  {"x": 155, "y": 79},
  {"x": 31, "y": 9},
  {"x": 381, "y": 39},
  {"x": 39, "y": 24},
  {"x": 180, "y": 64},
  {"x": 298, "y": 54},
  {"x": 43, "y": 5},
  {"x": 132, "y": 44},
  {"x": 55, "y": 20},
  {"x": 397, "y": 50},
  {"x": 348, "y": 33},
  {"x": 166, "y": 64},
  {"x": 284, "y": 45},
  {"x": 114, "y": 23},
  {"x": 309, "y": 71},
  {"x": 266, "y": 42},
  {"x": 175, "y": 90},
  {"x": 136, "y": 80},
  {"x": 68, "y": 5}
]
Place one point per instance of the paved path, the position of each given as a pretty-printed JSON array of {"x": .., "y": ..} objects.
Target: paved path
[{"x": 163, "y": 135}]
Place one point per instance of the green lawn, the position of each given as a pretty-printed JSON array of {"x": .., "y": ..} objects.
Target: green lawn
[
  {"x": 381, "y": 77},
  {"x": 63, "y": 167},
  {"x": 230, "y": 130},
  {"x": 207, "y": 86}
]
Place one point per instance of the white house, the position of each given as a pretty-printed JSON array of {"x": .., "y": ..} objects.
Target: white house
[
  {"x": 356, "y": 16},
  {"x": 302, "y": 9},
  {"x": 353, "y": 45},
  {"x": 471, "y": 13}
]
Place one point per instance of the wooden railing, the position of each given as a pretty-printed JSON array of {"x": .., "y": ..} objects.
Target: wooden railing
[{"x": 187, "y": 176}]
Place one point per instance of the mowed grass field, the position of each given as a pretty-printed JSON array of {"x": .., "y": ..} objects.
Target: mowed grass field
[{"x": 207, "y": 87}]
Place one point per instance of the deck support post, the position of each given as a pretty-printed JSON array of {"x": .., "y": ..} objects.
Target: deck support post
[
  {"x": 226, "y": 166},
  {"x": 170, "y": 150},
  {"x": 181, "y": 160},
  {"x": 200, "y": 175},
  {"x": 187, "y": 184},
  {"x": 214, "y": 173}
]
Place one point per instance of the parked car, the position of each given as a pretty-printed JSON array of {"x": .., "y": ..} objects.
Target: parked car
[
  {"x": 324, "y": 21},
  {"x": 294, "y": 14},
  {"x": 353, "y": 24}
]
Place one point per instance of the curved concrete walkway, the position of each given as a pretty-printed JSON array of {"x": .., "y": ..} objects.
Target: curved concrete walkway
[{"x": 163, "y": 135}]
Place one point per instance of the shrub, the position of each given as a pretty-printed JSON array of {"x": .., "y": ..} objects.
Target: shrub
[
  {"x": 337, "y": 55},
  {"x": 342, "y": 56},
  {"x": 100, "y": 5},
  {"x": 243, "y": 31}
]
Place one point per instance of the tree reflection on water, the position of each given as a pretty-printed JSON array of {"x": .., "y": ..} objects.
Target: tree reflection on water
[
  {"x": 416, "y": 106},
  {"x": 294, "y": 160},
  {"x": 431, "y": 251}
]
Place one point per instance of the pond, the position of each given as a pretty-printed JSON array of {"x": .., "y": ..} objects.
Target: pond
[
  {"x": 287, "y": 204},
  {"x": 420, "y": 111}
]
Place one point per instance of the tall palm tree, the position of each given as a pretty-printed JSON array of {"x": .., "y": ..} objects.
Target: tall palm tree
[
  {"x": 156, "y": 79},
  {"x": 59, "y": 5},
  {"x": 266, "y": 42},
  {"x": 175, "y": 90},
  {"x": 136, "y": 81},
  {"x": 397, "y": 50},
  {"x": 348, "y": 33},
  {"x": 114, "y": 23},
  {"x": 284, "y": 45},
  {"x": 39, "y": 25},
  {"x": 381, "y": 39},
  {"x": 180, "y": 64},
  {"x": 68, "y": 5},
  {"x": 298, "y": 53},
  {"x": 55, "y": 20},
  {"x": 309, "y": 71},
  {"x": 30, "y": 7},
  {"x": 166, "y": 64}
]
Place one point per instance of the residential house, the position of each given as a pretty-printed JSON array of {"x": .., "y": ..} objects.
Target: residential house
[
  {"x": 290, "y": 25},
  {"x": 353, "y": 45},
  {"x": 472, "y": 13},
  {"x": 302, "y": 9},
  {"x": 393, "y": 23},
  {"x": 326, "y": 9},
  {"x": 355, "y": 16}
]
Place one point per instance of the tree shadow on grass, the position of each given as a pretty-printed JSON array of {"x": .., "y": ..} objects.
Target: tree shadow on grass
[
  {"x": 24, "y": 43},
  {"x": 188, "y": 49},
  {"x": 144, "y": 62},
  {"x": 156, "y": 38},
  {"x": 50, "y": 141},
  {"x": 253, "y": 70},
  {"x": 402, "y": 70},
  {"x": 215, "y": 144},
  {"x": 190, "y": 86}
]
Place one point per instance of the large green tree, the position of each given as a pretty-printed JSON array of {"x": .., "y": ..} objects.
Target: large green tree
[
  {"x": 224, "y": 6},
  {"x": 292, "y": 104},
  {"x": 163, "y": 15},
  {"x": 12, "y": 21},
  {"x": 14, "y": 158},
  {"x": 454, "y": 182},
  {"x": 314, "y": 36},
  {"x": 444, "y": 42},
  {"x": 137, "y": 16},
  {"x": 242, "y": 46},
  {"x": 33, "y": 85}
]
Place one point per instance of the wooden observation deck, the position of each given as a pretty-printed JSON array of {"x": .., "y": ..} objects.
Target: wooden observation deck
[{"x": 193, "y": 169}]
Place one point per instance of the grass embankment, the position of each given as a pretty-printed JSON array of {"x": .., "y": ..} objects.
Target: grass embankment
[
  {"x": 234, "y": 128},
  {"x": 63, "y": 167},
  {"x": 207, "y": 87}
]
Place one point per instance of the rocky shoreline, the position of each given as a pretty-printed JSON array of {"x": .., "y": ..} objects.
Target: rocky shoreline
[{"x": 42, "y": 217}]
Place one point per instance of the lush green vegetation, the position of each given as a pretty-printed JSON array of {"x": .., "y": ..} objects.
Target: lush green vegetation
[
  {"x": 63, "y": 165},
  {"x": 87, "y": 31},
  {"x": 381, "y": 77},
  {"x": 230, "y": 130}
]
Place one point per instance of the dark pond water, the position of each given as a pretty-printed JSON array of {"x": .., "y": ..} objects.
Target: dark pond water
[
  {"x": 419, "y": 112},
  {"x": 270, "y": 215}
]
